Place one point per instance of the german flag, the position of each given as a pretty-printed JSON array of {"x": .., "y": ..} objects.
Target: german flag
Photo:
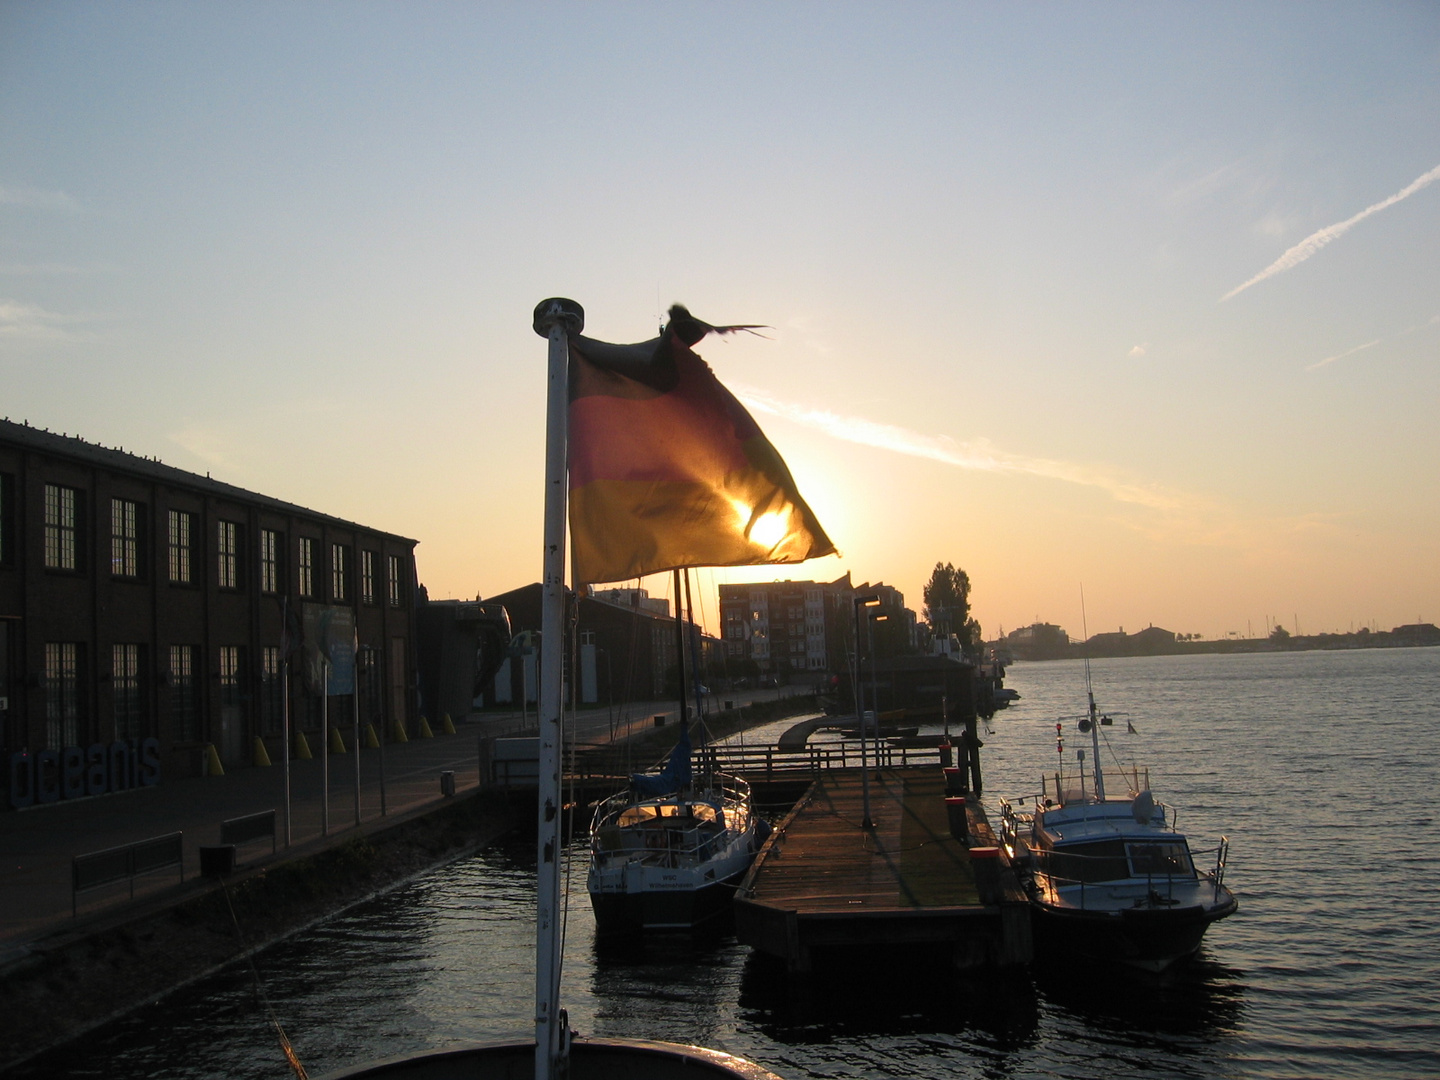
[{"x": 668, "y": 470}]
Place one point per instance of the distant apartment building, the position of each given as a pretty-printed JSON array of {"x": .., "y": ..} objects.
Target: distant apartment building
[
  {"x": 795, "y": 627},
  {"x": 142, "y": 604}
]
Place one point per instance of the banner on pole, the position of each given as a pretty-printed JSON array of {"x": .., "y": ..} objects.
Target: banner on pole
[{"x": 329, "y": 638}]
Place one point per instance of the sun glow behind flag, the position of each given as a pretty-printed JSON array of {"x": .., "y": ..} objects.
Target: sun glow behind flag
[{"x": 668, "y": 470}]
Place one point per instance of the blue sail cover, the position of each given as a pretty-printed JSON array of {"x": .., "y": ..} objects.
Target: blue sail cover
[{"x": 673, "y": 777}]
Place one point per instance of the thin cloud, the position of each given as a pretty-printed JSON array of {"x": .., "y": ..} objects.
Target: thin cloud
[
  {"x": 977, "y": 454},
  {"x": 1317, "y": 240},
  {"x": 55, "y": 269},
  {"x": 1432, "y": 321},
  {"x": 37, "y": 198},
  {"x": 21, "y": 321}
]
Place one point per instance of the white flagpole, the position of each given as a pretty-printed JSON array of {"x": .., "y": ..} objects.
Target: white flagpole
[{"x": 555, "y": 319}]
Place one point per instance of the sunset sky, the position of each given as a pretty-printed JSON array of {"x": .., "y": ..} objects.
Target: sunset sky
[{"x": 1139, "y": 299}]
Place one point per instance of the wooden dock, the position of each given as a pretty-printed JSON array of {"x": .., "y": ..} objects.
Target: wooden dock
[{"x": 823, "y": 882}]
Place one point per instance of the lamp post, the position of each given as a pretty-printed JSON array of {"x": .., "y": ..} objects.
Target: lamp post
[
  {"x": 868, "y": 601},
  {"x": 875, "y": 616}
]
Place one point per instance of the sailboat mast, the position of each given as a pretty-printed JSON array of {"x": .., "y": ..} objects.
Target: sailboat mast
[
  {"x": 555, "y": 319},
  {"x": 680, "y": 648}
]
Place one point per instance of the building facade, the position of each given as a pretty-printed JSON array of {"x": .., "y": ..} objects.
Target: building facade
[
  {"x": 145, "y": 606},
  {"x": 787, "y": 628}
]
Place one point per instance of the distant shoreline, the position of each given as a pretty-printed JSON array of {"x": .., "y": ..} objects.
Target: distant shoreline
[{"x": 1244, "y": 646}]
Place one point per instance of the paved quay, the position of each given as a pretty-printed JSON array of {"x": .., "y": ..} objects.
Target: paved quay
[{"x": 38, "y": 845}]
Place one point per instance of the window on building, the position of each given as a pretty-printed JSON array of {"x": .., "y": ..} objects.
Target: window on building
[
  {"x": 272, "y": 691},
  {"x": 230, "y": 656},
  {"x": 129, "y": 696},
  {"x": 392, "y": 575},
  {"x": 271, "y": 545},
  {"x": 180, "y": 530},
  {"x": 62, "y": 694},
  {"x": 61, "y": 528},
  {"x": 307, "y": 566},
  {"x": 124, "y": 538},
  {"x": 367, "y": 577},
  {"x": 227, "y": 570},
  {"x": 339, "y": 572},
  {"x": 184, "y": 694}
]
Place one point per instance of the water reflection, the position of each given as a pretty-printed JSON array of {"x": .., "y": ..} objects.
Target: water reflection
[
  {"x": 1186, "y": 1009},
  {"x": 904, "y": 993}
]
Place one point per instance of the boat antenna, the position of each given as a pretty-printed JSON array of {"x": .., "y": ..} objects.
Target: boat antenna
[{"x": 1093, "y": 719}]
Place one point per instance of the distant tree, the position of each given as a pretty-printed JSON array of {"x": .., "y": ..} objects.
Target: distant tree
[
  {"x": 947, "y": 606},
  {"x": 1279, "y": 633}
]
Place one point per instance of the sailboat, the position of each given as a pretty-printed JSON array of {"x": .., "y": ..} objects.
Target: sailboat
[
  {"x": 667, "y": 852},
  {"x": 556, "y": 1052}
]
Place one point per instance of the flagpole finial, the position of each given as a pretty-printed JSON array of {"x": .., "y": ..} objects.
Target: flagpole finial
[{"x": 557, "y": 309}]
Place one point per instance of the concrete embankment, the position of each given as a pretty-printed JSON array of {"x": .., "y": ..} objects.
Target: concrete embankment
[
  {"x": 70, "y": 983},
  {"x": 61, "y": 976}
]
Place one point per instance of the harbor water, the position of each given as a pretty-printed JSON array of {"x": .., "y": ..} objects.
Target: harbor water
[{"x": 1320, "y": 767}]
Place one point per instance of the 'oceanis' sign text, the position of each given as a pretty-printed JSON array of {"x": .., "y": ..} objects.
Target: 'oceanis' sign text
[{"x": 48, "y": 776}]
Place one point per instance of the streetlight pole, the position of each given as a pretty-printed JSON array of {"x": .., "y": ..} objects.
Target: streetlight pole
[{"x": 868, "y": 601}]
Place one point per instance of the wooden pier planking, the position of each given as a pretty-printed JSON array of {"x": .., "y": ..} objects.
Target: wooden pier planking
[{"x": 823, "y": 882}]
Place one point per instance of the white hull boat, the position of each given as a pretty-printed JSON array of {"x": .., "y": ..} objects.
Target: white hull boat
[{"x": 1109, "y": 876}]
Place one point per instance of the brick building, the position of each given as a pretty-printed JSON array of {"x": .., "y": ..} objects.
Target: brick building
[{"x": 142, "y": 604}]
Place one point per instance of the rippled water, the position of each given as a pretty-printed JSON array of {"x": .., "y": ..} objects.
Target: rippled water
[{"x": 1320, "y": 767}]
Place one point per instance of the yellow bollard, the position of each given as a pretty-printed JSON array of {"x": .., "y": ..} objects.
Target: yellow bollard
[
  {"x": 302, "y": 748},
  {"x": 212, "y": 762},
  {"x": 448, "y": 724},
  {"x": 425, "y": 732},
  {"x": 371, "y": 742},
  {"x": 337, "y": 743},
  {"x": 262, "y": 758},
  {"x": 400, "y": 735}
]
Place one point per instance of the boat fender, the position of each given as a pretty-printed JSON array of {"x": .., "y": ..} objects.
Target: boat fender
[
  {"x": 762, "y": 833},
  {"x": 1142, "y": 808}
]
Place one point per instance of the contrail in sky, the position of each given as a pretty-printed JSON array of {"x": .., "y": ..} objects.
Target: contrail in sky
[
  {"x": 977, "y": 455},
  {"x": 1315, "y": 241},
  {"x": 1371, "y": 344}
]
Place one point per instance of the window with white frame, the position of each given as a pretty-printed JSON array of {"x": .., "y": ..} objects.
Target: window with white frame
[
  {"x": 307, "y": 566},
  {"x": 62, "y": 694},
  {"x": 227, "y": 570},
  {"x": 124, "y": 538},
  {"x": 184, "y": 694},
  {"x": 367, "y": 577},
  {"x": 271, "y": 544},
  {"x": 180, "y": 529},
  {"x": 61, "y": 528},
  {"x": 392, "y": 579},
  {"x": 127, "y": 692},
  {"x": 339, "y": 572}
]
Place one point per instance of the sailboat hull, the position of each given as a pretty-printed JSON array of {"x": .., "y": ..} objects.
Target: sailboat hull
[
  {"x": 680, "y": 909},
  {"x": 590, "y": 1059}
]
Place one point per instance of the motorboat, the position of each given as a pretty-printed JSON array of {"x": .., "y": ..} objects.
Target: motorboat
[
  {"x": 1109, "y": 875},
  {"x": 666, "y": 853}
]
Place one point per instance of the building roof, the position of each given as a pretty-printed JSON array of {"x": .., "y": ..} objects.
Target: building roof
[{"x": 75, "y": 448}]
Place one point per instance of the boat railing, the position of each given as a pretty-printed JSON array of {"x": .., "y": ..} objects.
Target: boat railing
[
  {"x": 1153, "y": 882},
  {"x": 1061, "y": 787},
  {"x": 1046, "y": 861},
  {"x": 771, "y": 761},
  {"x": 1222, "y": 855},
  {"x": 1011, "y": 824},
  {"x": 663, "y": 842}
]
